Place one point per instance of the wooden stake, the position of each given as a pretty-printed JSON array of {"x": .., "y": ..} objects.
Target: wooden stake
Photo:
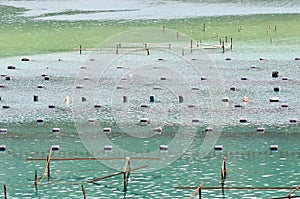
[
  {"x": 5, "y": 194},
  {"x": 231, "y": 43},
  {"x": 35, "y": 181},
  {"x": 223, "y": 174},
  {"x": 117, "y": 51},
  {"x": 177, "y": 35},
  {"x": 83, "y": 191},
  {"x": 196, "y": 190},
  {"x": 124, "y": 179},
  {"x": 223, "y": 46},
  {"x": 48, "y": 167},
  {"x": 191, "y": 45},
  {"x": 80, "y": 49}
]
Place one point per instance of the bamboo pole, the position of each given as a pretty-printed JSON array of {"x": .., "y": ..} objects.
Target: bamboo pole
[
  {"x": 83, "y": 191},
  {"x": 5, "y": 193},
  {"x": 223, "y": 174},
  {"x": 115, "y": 174},
  {"x": 46, "y": 168},
  {"x": 289, "y": 195},
  {"x": 196, "y": 190},
  {"x": 83, "y": 159},
  {"x": 35, "y": 181}
]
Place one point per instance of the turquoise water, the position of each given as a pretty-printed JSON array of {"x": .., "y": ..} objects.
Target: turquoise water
[{"x": 250, "y": 163}]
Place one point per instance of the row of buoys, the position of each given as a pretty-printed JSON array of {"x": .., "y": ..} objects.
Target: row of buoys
[
  {"x": 245, "y": 120},
  {"x": 162, "y": 148},
  {"x": 271, "y": 147},
  {"x": 4, "y": 131}
]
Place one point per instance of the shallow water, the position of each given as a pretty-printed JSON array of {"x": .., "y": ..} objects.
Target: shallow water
[
  {"x": 250, "y": 163},
  {"x": 155, "y": 9}
]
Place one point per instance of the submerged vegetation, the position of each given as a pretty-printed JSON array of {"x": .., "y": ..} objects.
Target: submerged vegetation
[{"x": 21, "y": 35}]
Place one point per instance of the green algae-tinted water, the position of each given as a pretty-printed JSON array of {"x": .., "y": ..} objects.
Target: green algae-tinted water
[{"x": 250, "y": 163}]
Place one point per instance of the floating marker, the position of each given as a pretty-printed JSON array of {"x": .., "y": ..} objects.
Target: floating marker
[
  {"x": 243, "y": 120},
  {"x": 108, "y": 148},
  {"x": 79, "y": 86},
  {"x": 144, "y": 106},
  {"x": 2, "y": 86},
  {"x": 51, "y": 106},
  {"x": 35, "y": 98},
  {"x": 157, "y": 130},
  {"x": 107, "y": 130},
  {"x": 274, "y": 148},
  {"x": 82, "y": 67},
  {"x": 195, "y": 88},
  {"x": 276, "y": 89},
  {"x": 284, "y": 105},
  {"x": 275, "y": 74},
  {"x": 293, "y": 120},
  {"x": 164, "y": 148},
  {"x": 25, "y": 59},
  {"x": 228, "y": 59},
  {"x": 83, "y": 99},
  {"x": 191, "y": 105},
  {"x": 180, "y": 97},
  {"x": 233, "y": 88},
  {"x": 5, "y": 106},
  {"x": 40, "y": 120},
  {"x": 2, "y": 147},
  {"x": 3, "y": 74},
  {"x": 120, "y": 67},
  {"x": 260, "y": 130},
  {"x": 245, "y": 99},
  {"x": 97, "y": 106},
  {"x": 55, "y": 130},
  {"x": 203, "y": 78},
  {"x": 297, "y": 58},
  {"x": 11, "y": 67},
  {"x": 163, "y": 78},
  {"x": 225, "y": 99},
  {"x": 46, "y": 77},
  {"x": 208, "y": 129},
  {"x": 86, "y": 78},
  {"x": 144, "y": 121},
  {"x": 55, "y": 148},
  {"x": 40, "y": 86},
  {"x": 285, "y": 78},
  {"x": 3, "y": 131},
  {"x": 244, "y": 78},
  {"x": 237, "y": 105},
  {"x": 218, "y": 148},
  {"x": 124, "y": 98},
  {"x": 91, "y": 120},
  {"x": 262, "y": 58},
  {"x": 8, "y": 78},
  {"x": 194, "y": 120},
  {"x": 274, "y": 99},
  {"x": 152, "y": 98},
  {"x": 253, "y": 66}
]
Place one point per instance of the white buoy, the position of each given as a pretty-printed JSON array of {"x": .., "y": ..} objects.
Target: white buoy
[
  {"x": 97, "y": 106},
  {"x": 157, "y": 130},
  {"x": 40, "y": 86},
  {"x": 163, "y": 78},
  {"x": 55, "y": 130},
  {"x": 163, "y": 148},
  {"x": 285, "y": 78},
  {"x": 218, "y": 147},
  {"x": 79, "y": 86},
  {"x": 262, "y": 58},
  {"x": 260, "y": 130},
  {"x": 194, "y": 120},
  {"x": 3, "y": 131},
  {"x": 209, "y": 129},
  {"x": 274, "y": 99},
  {"x": 225, "y": 99},
  {"x": 243, "y": 120},
  {"x": 106, "y": 130},
  {"x": 144, "y": 121},
  {"x": 244, "y": 78},
  {"x": 11, "y": 67},
  {"x": 273, "y": 147},
  {"x": 55, "y": 148},
  {"x": 5, "y": 106},
  {"x": 293, "y": 120},
  {"x": 276, "y": 89},
  {"x": 51, "y": 106},
  {"x": 91, "y": 120},
  {"x": 233, "y": 88},
  {"x": 108, "y": 148},
  {"x": 2, "y": 86},
  {"x": 203, "y": 78},
  {"x": 47, "y": 78},
  {"x": 2, "y": 147},
  {"x": 40, "y": 120},
  {"x": 284, "y": 105},
  {"x": 144, "y": 106}
]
